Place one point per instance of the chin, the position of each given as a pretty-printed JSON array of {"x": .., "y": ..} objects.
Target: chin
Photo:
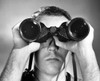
[{"x": 53, "y": 69}]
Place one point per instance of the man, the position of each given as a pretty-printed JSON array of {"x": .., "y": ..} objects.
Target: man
[{"x": 51, "y": 56}]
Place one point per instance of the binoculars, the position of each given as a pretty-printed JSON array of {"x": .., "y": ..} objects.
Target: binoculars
[{"x": 76, "y": 30}]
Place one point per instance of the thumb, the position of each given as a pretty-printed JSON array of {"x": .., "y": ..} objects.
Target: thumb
[
  {"x": 21, "y": 55},
  {"x": 32, "y": 47}
]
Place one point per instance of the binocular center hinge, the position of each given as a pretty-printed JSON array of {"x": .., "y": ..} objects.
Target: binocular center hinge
[{"x": 53, "y": 30}]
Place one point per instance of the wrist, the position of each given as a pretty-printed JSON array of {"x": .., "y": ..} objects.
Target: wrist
[
  {"x": 82, "y": 48},
  {"x": 86, "y": 55},
  {"x": 17, "y": 59}
]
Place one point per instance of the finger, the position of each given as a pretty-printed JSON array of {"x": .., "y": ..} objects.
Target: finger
[
  {"x": 32, "y": 47},
  {"x": 57, "y": 42},
  {"x": 15, "y": 30},
  {"x": 91, "y": 28},
  {"x": 18, "y": 41},
  {"x": 60, "y": 44},
  {"x": 66, "y": 45},
  {"x": 90, "y": 36}
]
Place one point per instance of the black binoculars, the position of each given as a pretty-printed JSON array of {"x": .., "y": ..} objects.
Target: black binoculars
[{"x": 76, "y": 30}]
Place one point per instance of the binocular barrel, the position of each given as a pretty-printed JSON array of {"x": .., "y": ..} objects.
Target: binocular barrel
[
  {"x": 29, "y": 30},
  {"x": 77, "y": 29}
]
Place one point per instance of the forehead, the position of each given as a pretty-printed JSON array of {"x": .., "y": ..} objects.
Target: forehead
[{"x": 53, "y": 20}]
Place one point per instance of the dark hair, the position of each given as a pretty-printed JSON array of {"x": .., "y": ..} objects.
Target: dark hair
[{"x": 51, "y": 10}]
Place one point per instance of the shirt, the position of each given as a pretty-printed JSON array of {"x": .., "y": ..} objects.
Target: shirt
[{"x": 69, "y": 68}]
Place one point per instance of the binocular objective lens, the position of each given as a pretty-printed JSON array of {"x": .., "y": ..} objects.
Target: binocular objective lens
[
  {"x": 78, "y": 29},
  {"x": 29, "y": 30}
]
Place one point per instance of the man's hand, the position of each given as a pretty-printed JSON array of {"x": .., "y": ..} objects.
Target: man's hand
[
  {"x": 85, "y": 54},
  {"x": 73, "y": 46},
  {"x": 21, "y": 49},
  {"x": 18, "y": 57}
]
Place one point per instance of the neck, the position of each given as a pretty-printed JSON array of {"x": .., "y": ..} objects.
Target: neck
[{"x": 42, "y": 76}]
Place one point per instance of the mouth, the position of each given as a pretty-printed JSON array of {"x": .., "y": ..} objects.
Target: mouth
[{"x": 54, "y": 59}]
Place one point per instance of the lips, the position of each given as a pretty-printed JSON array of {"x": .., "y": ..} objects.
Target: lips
[{"x": 53, "y": 59}]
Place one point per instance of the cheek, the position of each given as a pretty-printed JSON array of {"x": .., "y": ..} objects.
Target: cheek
[
  {"x": 41, "y": 56},
  {"x": 41, "y": 64}
]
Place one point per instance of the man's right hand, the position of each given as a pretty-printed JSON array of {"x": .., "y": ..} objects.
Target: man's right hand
[
  {"x": 21, "y": 49},
  {"x": 18, "y": 57}
]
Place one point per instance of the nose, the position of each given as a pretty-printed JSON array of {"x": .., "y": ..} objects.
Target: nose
[{"x": 52, "y": 45}]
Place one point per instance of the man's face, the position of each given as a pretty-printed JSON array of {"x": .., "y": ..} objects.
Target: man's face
[{"x": 50, "y": 57}]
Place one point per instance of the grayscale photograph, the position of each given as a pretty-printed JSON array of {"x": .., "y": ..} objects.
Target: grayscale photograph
[{"x": 49, "y": 40}]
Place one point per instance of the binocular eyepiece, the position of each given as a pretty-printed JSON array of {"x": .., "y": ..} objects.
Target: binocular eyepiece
[{"x": 76, "y": 30}]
